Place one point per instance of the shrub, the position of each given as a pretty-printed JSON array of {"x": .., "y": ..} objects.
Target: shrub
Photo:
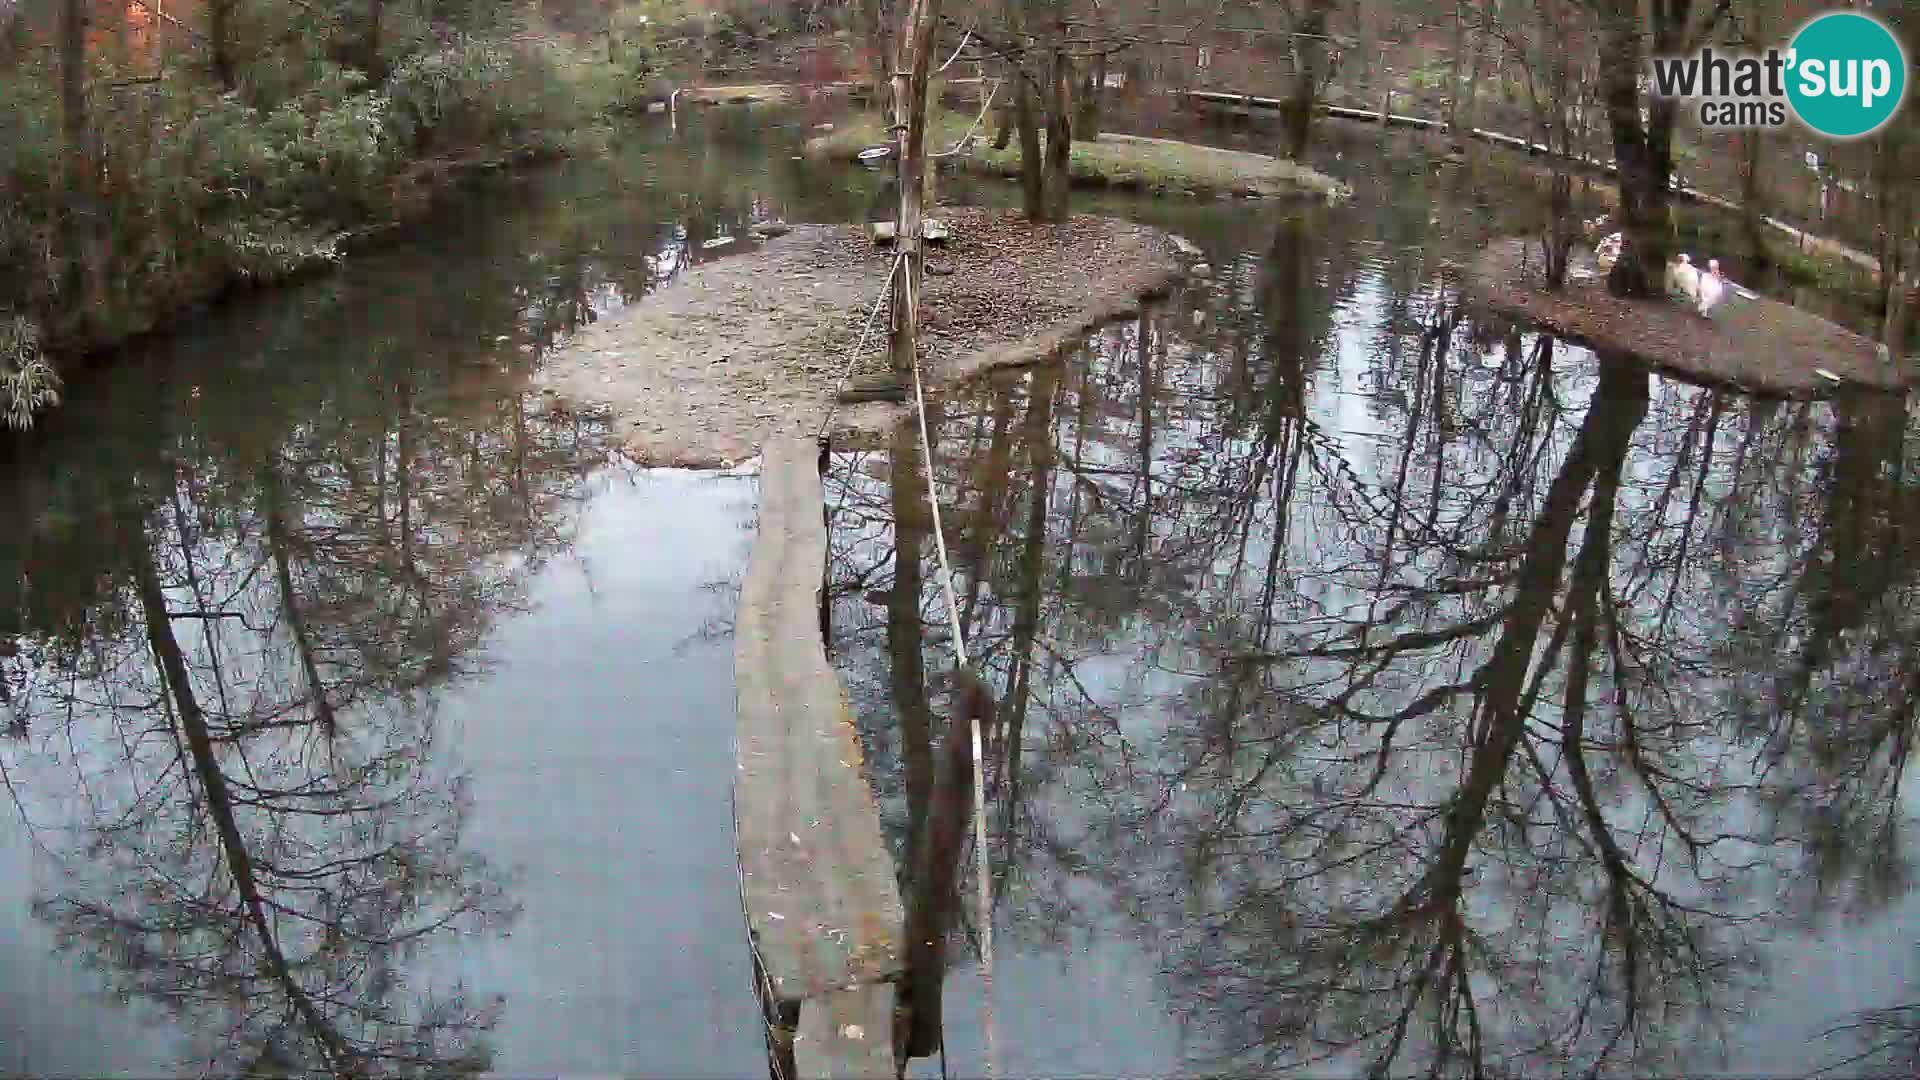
[
  {"x": 195, "y": 188},
  {"x": 478, "y": 93},
  {"x": 27, "y": 382}
]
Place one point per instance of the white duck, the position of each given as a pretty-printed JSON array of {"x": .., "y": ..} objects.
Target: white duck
[
  {"x": 1711, "y": 288},
  {"x": 1683, "y": 279},
  {"x": 1607, "y": 252}
]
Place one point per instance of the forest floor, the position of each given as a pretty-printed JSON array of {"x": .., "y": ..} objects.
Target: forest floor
[
  {"x": 752, "y": 345},
  {"x": 1757, "y": 344},
  {"x": 1156, "y": 166}
]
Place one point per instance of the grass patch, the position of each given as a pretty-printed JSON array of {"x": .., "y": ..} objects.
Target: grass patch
[{"x": 1154, "y": 166}]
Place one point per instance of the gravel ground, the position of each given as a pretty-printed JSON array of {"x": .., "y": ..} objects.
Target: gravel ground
[
  {"x": 1758, "y": 345},
  {"x": 702, "y": 371}
]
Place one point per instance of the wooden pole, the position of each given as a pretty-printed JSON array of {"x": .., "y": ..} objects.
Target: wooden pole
[
  {"x": 1386, "y": 93},
  {"x": 912, "y": 66}
]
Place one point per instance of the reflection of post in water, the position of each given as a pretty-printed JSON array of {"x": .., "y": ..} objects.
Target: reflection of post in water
[
  {"x": 906, "y": 663},
  {"x": 934, "y": 897},
  {"x": 938, "y": 802}
]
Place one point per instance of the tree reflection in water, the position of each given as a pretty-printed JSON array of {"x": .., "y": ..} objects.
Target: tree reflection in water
[
  {"x": 1466, "y": 705},
  {"x": 242, "y": 717}
]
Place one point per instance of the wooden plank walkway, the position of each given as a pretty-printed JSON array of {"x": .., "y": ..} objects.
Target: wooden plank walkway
[
  {"x": 846, "y": 1034},
  {"x": 822, "y": 903}
]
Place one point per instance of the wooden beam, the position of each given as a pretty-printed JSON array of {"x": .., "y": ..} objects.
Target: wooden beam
[
  {"x": 822, "y": 903},
  {"x": 912, "y": 69}
]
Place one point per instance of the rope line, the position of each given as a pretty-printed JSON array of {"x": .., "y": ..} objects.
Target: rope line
[
  {"x": 768, "y": 999},
  {"x": 833, "y": 403},
  {"x": 983, "y": 899},
  {"x": 965, "y": 39},
  {"x": 992, "y": 92}
]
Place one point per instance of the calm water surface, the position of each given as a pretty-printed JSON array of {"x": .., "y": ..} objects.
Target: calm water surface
[{"x": 1379, "y": 685}]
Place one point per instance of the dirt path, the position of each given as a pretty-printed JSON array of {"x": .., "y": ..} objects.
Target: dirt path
[
  {"x": 702, "y": 371},
  {"x": 1755, "y": 344}
]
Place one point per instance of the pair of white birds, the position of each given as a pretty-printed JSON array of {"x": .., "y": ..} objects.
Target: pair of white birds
[{"x": 1704, "y": 289}]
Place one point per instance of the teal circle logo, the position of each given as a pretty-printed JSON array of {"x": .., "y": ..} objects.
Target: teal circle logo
[{"x": 1846, "y": 74}]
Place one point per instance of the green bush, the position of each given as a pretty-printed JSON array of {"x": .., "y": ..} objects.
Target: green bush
[{"x": 480, "y": 93}]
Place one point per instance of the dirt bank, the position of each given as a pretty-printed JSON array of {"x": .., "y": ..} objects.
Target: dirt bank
[
  {"x": 1759, "y": 345},
  {"x": 702, "y": 371}
]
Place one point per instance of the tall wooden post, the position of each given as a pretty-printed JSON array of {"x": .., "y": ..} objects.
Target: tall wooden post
[{"x": 913, "y": 64}]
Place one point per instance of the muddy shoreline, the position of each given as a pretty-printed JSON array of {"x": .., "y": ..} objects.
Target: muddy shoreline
[{"x": 754, "y": 345}]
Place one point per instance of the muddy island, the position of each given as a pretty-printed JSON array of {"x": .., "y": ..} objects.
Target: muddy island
[
  {"x": 1749, "y": 343},
  {"x": 1125, "y": 162},
  {"x": 752, "y": 345}
]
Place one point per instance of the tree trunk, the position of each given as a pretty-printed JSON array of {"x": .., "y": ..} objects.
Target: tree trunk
[
  {"x": 1026, "y": 120},
  {"x": 911, "y": 71},
  {"x": 1642, "y": 174},
  {"x": 1752, "y": 212},
  {"x": 1893, "y": 333},
  {"x": 13, "y": 36},
  {"x": 376, "y": 68},
  {"x": 1643, "y": 152},
  {"x": 1458, "y": 67},
  {"x": 220, "y": 42},
  {"x": 1470, "y": 115},
  {"x": 1003, "y": 135},
  {"x": 1060, "y": 128},
  {"x": 1032, "y": 169},
  {"x": 873, "y": 27},
  {"x": 81, "y": 162},
  {"x": 1559, "y": 239},
  {"x": 1309, "y": 52},
  {"x": 1086, "y": 124}
]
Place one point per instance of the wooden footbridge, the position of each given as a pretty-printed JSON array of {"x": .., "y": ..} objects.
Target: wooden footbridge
[{"x": 822, "y": 903}]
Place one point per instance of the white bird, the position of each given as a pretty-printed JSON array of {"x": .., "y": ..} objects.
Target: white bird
[
  {"x": 1683, "y": 278},
  {"x": 1607, "y": 252},
  {"x": 1712, "y": 288}
]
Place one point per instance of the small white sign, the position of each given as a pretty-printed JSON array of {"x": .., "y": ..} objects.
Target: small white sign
[{"x": 1813, "y": 160}]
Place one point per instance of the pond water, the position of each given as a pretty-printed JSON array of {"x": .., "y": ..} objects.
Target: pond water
[{"x": 1378, "y": 684}]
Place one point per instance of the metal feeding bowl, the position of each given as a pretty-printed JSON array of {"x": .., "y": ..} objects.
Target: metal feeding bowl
[{"x": 872, "y": 156}]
